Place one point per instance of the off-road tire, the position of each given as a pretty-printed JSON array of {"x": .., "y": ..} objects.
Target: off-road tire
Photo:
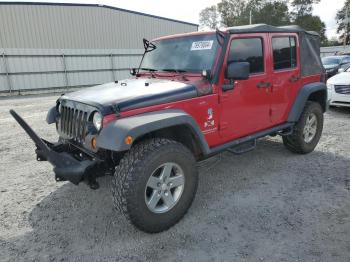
[
  {"x": 133, "y": 172},
  {"x": 295, "y": 142}
]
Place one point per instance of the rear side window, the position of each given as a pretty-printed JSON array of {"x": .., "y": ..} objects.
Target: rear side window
[
  {"x": 284, "y": 52},
  {"x": 248, "y": 50}
]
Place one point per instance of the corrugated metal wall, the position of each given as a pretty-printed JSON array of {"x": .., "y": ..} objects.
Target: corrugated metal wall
[
  {"x": 332, "y": 50},
  {"x": 56, "y": 46},
  {"x": 23, "y": 70}
]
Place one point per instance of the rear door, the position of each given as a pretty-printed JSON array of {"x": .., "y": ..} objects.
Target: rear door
[
  {"x": 245, "y": 108},
  {"x": 286, "y": 74}
]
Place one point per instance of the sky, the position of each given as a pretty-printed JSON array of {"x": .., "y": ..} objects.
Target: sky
[{"x": 188, "y": 10}]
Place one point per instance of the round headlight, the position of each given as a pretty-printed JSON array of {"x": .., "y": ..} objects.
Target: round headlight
[{"x": 97, "y": 121}]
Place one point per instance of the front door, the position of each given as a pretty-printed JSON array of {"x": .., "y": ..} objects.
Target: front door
[{"x": 245, "y": 109}]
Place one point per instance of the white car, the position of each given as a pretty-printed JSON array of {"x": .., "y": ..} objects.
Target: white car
[{"x": 339, "y": 89}]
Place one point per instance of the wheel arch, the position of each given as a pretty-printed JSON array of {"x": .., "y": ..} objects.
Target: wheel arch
[
  {"x": 182, "y": 133},
  {"x": 171, "y": 124},
  {"x": 316, "y": 92}
]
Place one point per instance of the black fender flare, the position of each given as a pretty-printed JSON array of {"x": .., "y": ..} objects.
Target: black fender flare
[
  {"x": 303, "y": 96},
  {"x": 112, "y": 136}
]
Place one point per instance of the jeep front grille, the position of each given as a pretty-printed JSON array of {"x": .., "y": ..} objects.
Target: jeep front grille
[
  {"x": 73, "y": 123},
  {"x": 342, "y": 89}
]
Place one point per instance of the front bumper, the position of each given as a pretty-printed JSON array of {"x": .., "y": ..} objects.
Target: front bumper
[
  {"x": 336, "y": 99},
  {"x": 68, "y": 163}
]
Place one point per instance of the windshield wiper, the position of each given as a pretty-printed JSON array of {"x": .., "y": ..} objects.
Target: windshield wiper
[
  {"x": 174, "y": 70},
  {"x": 149, "y": 69}
]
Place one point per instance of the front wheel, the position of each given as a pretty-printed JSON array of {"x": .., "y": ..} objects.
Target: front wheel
[
  {"x": 155, "y": 184},
  {"x": 308, "y": 130}
]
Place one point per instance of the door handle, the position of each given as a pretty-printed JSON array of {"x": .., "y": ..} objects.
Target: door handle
[
  {"x": 263, "y": 85},
  {"x": 294, "y": 79}
]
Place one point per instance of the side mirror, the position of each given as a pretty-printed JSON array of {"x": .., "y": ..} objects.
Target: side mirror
[
  {"x": 341, "y": 70},
  {"x": 237, "y": 71}
]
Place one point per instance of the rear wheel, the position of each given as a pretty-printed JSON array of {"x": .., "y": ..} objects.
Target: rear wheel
[
  {"x": 308, "y": 130},
  {"x": 155, "y": 184}
]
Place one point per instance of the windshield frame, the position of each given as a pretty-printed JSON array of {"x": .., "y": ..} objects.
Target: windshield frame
[{"x": 216, "y": 52}]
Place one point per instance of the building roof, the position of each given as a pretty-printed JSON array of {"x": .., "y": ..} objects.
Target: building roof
[{"x": 98, "y": 6}]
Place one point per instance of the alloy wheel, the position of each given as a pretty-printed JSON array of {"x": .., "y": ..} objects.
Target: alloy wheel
[
  {"x": 164, "y": 187},
  {"x": 310, "y": 128}
]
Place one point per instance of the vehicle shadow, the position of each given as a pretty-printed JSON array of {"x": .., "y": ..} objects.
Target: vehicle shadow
[
  {"x": 268, "y": 204},
  {"x": 340, "y": 110}
]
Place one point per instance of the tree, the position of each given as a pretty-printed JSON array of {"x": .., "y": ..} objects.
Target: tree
[
  {"x": 341, "y": 14},
  {"x": 272, "y": 13},
  {"x": 312, "y": 23},
  {"x": 237, "y": 12},
  {"x": 209, "y": 17},
  {"x": 302, "y": 7},
  {"x": 334, "y": 41},
  {"x": 302, "y": 16},
  {"x": 233, "y": 12}
]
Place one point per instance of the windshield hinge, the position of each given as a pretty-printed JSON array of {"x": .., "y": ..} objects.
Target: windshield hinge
[{"x": 116, "y": 110}]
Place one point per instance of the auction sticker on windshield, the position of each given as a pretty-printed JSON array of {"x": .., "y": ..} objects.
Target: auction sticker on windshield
[{"x": 202, "y": 45}]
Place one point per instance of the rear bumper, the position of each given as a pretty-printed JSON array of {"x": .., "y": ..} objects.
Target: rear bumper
[{"x": 68, "y": 163}]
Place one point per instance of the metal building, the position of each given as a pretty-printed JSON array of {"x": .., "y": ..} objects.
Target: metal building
[
  {"x": 48, "y": 46},
  {"x": 333, "y": 50}
]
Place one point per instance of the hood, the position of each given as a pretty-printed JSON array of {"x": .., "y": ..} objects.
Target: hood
[
  {"x": 133, "y": 93},
  {"x": 331, "y": 66},
  {"x": 340, "y": 79}
]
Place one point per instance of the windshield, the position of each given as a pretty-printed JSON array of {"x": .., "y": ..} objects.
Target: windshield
[
  {"x": 330, "y": 60},
  {"x": 190, "y": 53}
]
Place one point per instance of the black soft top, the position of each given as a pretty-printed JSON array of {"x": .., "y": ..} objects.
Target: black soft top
[
  {"x": 263, "y": 28},
  {"x": 309, "y": 42}
]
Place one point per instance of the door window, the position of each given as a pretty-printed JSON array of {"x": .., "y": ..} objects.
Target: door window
[
  {"x": 248, "y": 50},
  {"x": 284, "y": 52}
]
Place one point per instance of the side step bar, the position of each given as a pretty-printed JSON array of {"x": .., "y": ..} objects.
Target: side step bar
[
  {"x": 277, "y": 129},
  {"x": 243, "y": 148}
]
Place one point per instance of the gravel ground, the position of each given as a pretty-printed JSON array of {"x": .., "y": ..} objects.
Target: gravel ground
[{"x": 266, "y": 205}]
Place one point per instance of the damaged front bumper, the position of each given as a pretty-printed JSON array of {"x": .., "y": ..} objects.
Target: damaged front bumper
[{"x": 69, "y": 163}]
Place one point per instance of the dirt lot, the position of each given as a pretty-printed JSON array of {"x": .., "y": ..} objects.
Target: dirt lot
[{"x": 266, "y": 205}]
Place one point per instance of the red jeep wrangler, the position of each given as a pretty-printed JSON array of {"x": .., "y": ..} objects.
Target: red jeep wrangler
[{"x": 193, "y": 96}]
